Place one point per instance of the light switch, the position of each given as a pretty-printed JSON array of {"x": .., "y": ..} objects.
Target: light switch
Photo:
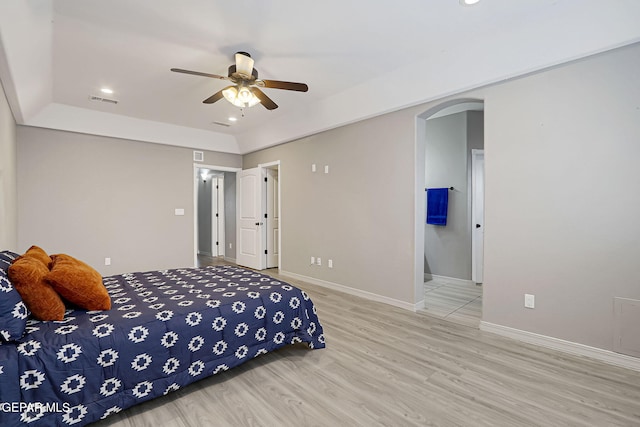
[{"x": 529, "y": 301}]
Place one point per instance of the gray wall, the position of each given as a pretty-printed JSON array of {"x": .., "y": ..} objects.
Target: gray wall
[
  {"x": 449, "y": 141},
  {"x": 563, "y": 198},
  {"x": 8, "y": 186},
  {"x": 360, "y": 214},
  {"x": 95, "y": 197}
]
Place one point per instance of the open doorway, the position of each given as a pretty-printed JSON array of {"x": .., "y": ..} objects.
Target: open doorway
[
  {"x": 214, "y": 214},
  {"x": 450, "y": 139}
]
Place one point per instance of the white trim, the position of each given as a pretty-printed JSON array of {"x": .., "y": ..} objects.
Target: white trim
[
  {"x": 357, "y": 292},
  {"x": 276, "y": 165},
  {"x": 221, "y": 218},
  {"x": 269, "y": 164},
  {"x": 477, "y": 198},
  {"x": 573, "y": 348},
  {"x": 453, "y": 280}
]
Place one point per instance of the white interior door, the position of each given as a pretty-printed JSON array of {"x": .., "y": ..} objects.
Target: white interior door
[
  {"x": 272, "y": 229},
  {"x": 220, "y": 219},
  {"x": 250, "y": 219},
  {"x": 477, "y": 216},
  {"x": 214, "y": 213}
]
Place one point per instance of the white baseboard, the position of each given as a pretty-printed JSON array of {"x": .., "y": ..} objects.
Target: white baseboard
[
  {"x": 353, "y": 291},
  {"x": 428, "y": 277},
  {"x": 576, "y": 349}
]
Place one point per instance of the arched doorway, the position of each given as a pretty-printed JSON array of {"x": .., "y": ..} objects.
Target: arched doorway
[{"x": 446, "y": 135}]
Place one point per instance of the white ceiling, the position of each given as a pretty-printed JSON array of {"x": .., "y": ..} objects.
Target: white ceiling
[{"x": 360, "y": 59}]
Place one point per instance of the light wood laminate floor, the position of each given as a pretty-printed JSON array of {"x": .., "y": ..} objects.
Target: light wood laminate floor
[{"x": 384, "y": 366}]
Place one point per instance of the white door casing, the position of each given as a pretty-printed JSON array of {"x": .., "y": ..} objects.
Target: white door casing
[
  {"x": 217, "y": 216},
  {"x": 250, "y": 220},
  {"x": 477, "y": 215},
  {"x": 220, "y": 216},
  {"x": 272, "y": 220},
  {"x": 214, "y": 212}
]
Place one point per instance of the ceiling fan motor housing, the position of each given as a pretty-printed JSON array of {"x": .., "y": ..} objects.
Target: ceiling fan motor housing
[{"x": 232, "y": 71}]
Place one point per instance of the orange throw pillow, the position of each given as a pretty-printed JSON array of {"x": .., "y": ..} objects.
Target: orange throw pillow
[
  {"x": 27, "y": 276},
  {"x": 78, "y": 283},
  {"x": 38, "y": 253}
]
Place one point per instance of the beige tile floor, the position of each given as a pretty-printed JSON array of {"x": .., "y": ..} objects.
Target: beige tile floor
[{"x": 454, "y": 301}]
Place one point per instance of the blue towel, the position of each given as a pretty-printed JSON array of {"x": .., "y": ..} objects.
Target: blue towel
[{"x": 437, "y": 203}]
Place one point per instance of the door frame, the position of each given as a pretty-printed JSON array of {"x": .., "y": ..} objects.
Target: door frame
[
  {"x": 195, "y": 176},
  {"x": 276, "y": 165},
  {"x": 477, "y": 239},
  {"x": 217, "y": 215}
]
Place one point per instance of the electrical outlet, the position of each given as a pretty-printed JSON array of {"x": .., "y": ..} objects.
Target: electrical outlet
[
  {"x": 319, "y": 261},
  {"x": 330, "y": 263},
  {"x": 230, "y": 245},
  {"x": 313, "y": 167},
  {"x": 529, "y": 301},
  {"x": 107, "y": 261},
  {"x": 313, "y": 260}
]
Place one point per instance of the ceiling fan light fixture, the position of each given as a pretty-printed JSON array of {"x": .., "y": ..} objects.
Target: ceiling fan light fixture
[{"x": 240, "y": 96}]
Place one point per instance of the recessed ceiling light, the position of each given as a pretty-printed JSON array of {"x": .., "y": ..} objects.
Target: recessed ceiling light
[
  {"x": 106, "y": 90},
  {"x": 232, "y": 119},
  {"x": 468, "y": 2}
]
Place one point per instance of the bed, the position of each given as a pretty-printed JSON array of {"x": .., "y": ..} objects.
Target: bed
[{"x": 165, "y": 330}]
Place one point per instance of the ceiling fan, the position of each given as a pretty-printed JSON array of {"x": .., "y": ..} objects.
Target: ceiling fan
[{"x": 245, "y": 91}]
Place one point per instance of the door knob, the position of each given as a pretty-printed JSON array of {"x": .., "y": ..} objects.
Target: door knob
[{"x": 478, "y": 226}]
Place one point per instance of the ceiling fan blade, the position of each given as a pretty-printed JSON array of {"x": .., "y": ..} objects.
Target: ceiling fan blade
[
  {"x": 198, "y": 73},
  {"x": 215, "y": 97},
  {"x": 264, "y": 99},
  {"x": 244, "y": 64},
  {"x": 276, "y": 84}
]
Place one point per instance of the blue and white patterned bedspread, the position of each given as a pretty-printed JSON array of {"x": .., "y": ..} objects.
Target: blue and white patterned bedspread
[{"x": 166, "y": 329}]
